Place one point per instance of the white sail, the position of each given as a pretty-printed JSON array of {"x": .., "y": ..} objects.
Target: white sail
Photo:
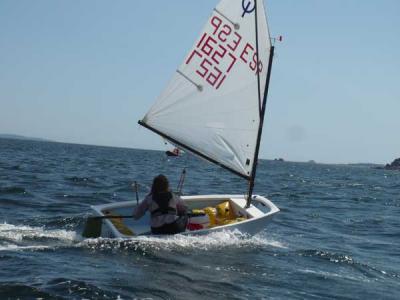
[{"x": 211, "y": 105}]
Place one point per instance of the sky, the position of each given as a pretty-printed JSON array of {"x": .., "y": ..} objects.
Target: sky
[{"x": 86, "y": 71}]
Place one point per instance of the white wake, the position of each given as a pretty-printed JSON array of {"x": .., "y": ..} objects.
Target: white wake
[
  {"x": 22, "y": 237},
  {"x": 212, "y": 241}
]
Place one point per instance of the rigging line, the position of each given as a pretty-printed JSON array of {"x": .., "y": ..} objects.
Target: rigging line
[
  {"x": 181, "y": 181},
  {"x": 235, "y": 25},
  {"x": 258, "y": 60},
  {"x": 198, "y": 86}
]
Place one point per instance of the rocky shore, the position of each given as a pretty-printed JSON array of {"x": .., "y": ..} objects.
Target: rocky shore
[{"x": 395, "y": 165}]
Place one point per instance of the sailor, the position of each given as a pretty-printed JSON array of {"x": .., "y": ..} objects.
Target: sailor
[{"x": 167, "y": 209}]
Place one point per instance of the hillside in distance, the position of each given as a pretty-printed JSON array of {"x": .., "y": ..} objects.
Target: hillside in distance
[{"x": 21, "y": 137}]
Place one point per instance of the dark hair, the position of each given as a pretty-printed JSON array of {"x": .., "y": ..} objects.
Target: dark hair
[{"x": 160, "y": 184}]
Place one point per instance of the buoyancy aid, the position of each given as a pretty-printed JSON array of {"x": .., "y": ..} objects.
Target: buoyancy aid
[{"x": 163, "y": 204}]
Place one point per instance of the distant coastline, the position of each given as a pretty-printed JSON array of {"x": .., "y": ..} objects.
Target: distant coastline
[
  {"x": 21, "y": 137},
  {"x": 281, "y": 160}
]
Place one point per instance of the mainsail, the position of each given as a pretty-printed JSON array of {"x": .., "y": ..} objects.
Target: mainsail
[{"x": 212, "y": 105}]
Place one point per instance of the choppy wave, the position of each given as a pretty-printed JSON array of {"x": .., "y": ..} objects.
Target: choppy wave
[
  {"x": 59, "y": 288},
  {"x": 82, "y": 181},
  {"x": 365, "y": 271},
  {"x": 335, "y": 237},
  {"x": 212, "y": 241},
  {"x": 12, "y": 190},
  {"x": 19, "y": 291},
  {"x": 22, "y": 237}
]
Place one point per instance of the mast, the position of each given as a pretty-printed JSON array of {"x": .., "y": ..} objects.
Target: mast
[{"x": 262, "y": 109}]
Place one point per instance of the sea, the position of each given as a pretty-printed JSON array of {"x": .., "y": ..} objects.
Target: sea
[{"x": 337, "y": 235}]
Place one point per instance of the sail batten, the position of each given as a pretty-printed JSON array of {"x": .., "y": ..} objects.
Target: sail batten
[{"x": 212, "y": 103}]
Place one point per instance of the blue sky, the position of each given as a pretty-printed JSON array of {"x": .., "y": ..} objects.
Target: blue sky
[{"x": 86, "y": 71}]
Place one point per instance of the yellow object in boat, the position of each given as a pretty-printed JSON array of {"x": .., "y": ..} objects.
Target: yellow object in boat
[
  {"x": 223, "y": 210},
  {"x": 230, "y": 221},
  {"x": 121, "y": 227},
  {"x": 212, "y": 214},
  {"x": 240, "y": 219},
  {"x": 226, "y": 221}
]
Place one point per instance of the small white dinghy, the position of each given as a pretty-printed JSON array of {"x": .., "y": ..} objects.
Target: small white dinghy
[
  {"x": 214, "y": 107},
  {"x": 248, "y": 220}
]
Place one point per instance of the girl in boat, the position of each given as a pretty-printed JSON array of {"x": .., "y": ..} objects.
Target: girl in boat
[{"x": 167, "y": 209}]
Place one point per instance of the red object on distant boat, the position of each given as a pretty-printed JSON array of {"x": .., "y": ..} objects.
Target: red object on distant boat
[{"x": 174, "y": 152}]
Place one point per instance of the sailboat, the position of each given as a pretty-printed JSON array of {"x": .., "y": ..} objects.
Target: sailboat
[
  {"x": 214, "y": 108},
  {"x": 174, "y": 152}
]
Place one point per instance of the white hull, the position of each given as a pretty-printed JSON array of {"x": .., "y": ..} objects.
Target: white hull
[{"x": 258, "y": 215}]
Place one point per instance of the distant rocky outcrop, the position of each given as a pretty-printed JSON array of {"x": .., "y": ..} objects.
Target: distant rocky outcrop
[
  {"x": 20, "y": 137},
  {"x": 279, "y": 159},
  {"x": 395, "y": 165}
]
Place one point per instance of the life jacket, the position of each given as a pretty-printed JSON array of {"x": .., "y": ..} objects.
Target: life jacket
[{"x": 163, "y": 204}]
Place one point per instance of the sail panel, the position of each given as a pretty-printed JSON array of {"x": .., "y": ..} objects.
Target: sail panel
[{"x": 211, "y": 103}]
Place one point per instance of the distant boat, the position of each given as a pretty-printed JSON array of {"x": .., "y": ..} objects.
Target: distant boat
[
  {"x": 214, "y": 107},
  {"x": 174, "y": 152}
]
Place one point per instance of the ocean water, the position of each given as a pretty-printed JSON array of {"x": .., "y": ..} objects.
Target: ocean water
[{"x": 337, "y": 235}]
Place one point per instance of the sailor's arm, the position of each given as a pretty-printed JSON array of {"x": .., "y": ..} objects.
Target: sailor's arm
[
  {"x": 180, "y": 205},
  {"x": 141, "y": 209}
]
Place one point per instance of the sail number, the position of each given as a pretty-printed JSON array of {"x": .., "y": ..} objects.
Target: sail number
[{"x": 219, "y": 50}]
